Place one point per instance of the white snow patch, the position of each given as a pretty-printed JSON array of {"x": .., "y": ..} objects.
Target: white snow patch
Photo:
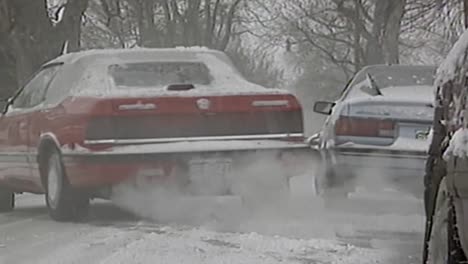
[
  {"x": 405, "y": 94},
  {"x": 448, "y": 68},
  {"x": 203, "y": 246},
  {"x": 96, "y": 81},
  {"x": 458, "y": 146}
]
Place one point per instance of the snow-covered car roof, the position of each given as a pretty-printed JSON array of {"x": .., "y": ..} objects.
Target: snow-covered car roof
[
  {"x": 180, "y": 53},
  {"x": 94, "y": 63},
  {"x": 396, "y": 82}
]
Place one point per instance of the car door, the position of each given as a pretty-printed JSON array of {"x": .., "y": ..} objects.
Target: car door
[
  {"x": 38, "y": 123},
  {"x": 15, "y": 161}
]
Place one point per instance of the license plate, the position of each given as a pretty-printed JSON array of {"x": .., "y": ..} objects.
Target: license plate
[
  {"x": 215, "y": 167},
  {"x": 147, "y": 177},
  {"x": 422, "y": 135},
  {"x": 209, "y": 176}
]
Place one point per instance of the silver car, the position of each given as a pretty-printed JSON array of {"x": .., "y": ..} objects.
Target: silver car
[{"x": 377, "y": 133}]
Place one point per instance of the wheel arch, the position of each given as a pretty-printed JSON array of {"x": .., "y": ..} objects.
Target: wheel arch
[{"x": 47, "y": 143}]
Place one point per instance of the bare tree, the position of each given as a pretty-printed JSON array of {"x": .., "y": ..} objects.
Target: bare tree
[{"x": 30, "y": 35}]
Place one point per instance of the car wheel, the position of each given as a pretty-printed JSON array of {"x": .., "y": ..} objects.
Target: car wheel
[
  {"x": 63, "y": 202},
  {"x": 7, "y": 201},
  {"x": 443, "y": 245},
  {"x": 264, "y": 193},
  {"x": 330, "y": 190}
]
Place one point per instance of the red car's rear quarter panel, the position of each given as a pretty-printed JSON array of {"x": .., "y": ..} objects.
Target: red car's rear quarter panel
[
  {"x": 71, "y": 123},
  {"x": 95, "y": 170}
]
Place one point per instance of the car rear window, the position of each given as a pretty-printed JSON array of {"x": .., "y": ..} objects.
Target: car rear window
[
  {"x": 397, "y": 76},
  {"x": 159, "y": 74}
]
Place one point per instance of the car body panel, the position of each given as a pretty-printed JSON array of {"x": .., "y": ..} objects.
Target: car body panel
[
  {"x": 14, "y": 150},
  {"x": 409, "y": 110},
  {"x": 110, "y": 137}
]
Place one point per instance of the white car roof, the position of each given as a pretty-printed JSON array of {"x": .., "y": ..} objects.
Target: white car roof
[{"x": 177, "y": 54}]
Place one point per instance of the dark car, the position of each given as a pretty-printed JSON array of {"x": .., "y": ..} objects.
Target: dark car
[{"x": 446, "y": 178}]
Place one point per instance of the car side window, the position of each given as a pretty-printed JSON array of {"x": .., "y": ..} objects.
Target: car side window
[{"x": 34, "y": 91}]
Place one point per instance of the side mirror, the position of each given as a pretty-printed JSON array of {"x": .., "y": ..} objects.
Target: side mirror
[
  {"x": 4, "y": 104},
  {"x": 324, "y": 108}
]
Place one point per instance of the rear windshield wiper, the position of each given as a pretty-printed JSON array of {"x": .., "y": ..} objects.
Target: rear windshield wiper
[
  {"x": 180, "y": 87},
  {"x": 373, "y": 89}
]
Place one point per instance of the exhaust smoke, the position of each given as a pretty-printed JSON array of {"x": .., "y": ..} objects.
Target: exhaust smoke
[{"x": 259, "y": 198}]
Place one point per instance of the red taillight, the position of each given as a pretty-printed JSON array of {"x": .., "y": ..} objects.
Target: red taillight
[{"x": 364, "y": 127}]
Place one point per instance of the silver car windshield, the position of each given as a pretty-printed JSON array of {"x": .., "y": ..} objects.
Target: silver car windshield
[{"x": 386, "y": 76}]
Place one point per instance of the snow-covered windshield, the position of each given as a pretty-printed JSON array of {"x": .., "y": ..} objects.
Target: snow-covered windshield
[
  {"x": 397, "y": 76},
  {"x": 159, "y": 74}
]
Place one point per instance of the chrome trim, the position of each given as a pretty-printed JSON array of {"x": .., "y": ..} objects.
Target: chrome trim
[
  {"x": 203, "y": 103},
  {"x": 188, "y": 139},
  {"x": 138, "y": 106},
  {"x": 267, "y": 103},
  {"x": 190, "y": 147}
]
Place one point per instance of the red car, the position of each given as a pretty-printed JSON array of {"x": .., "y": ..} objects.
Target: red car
[{"x": 91, "y": 120}]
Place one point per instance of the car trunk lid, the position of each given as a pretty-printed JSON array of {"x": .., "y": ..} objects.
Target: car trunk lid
[
  {"x": 386, "y": 122},
  {"x": 186, "y": 118}
]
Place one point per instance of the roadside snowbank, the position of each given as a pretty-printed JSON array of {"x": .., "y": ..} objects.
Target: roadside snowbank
[{"x": 201, "y": 246}]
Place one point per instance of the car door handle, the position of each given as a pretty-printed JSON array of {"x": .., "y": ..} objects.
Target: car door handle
[{"x": 22, "y": 125}]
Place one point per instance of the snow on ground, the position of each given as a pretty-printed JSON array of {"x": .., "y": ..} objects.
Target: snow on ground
[
  {"x": 301, "y": 233},
  {"x": 147, "y": 243}
]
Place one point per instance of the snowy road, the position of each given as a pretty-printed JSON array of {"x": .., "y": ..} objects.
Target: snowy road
[{"x": 113, "y": 236}]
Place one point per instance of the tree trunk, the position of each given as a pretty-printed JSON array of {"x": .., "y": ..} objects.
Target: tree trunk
[
  {"x": 33, "y": 37},
  {"x": 357, "y": 38},
  {"x": 193, "y": 28},
  {"x": 70, "y": 26},
  {"x": 391, "y": 43},
  {"x": 465, "y": 12},
  {"x": 170, "y": 25},
  {"x": 228, "y": 26},
  {"x": 374, "y": 49},
  {"x": 383, "y": 45},
  {"x": 30, "y": 36}
]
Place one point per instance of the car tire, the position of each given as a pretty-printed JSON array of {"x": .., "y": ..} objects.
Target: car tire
[
  {"x": 63, "y": 202},
  {"x": 7, "y": 201},
  {"x": 331, "y": 193},
  {"x": 444, "y": 245}
]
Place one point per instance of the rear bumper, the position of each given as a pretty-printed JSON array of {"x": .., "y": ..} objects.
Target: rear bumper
[
  {"x": 95, "y": 169},
  {"x": 393, "y": 160},
  {"x": 380, "y": 168}
]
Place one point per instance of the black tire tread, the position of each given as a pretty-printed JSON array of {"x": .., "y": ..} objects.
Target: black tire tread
[
  {"x": 7, "y": 201},
  {"x": 72, "y": 205}
]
